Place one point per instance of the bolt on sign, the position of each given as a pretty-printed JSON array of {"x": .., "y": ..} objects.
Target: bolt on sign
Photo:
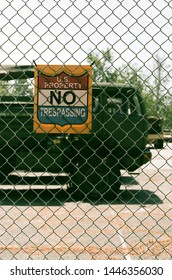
[{"x": 63, "y": 99}]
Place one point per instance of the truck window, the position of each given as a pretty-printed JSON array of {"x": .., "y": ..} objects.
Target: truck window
[
  {"x": 95, "y": 104},
  {"x": 118, "y": 102},
  {"x": 134, "y": 105},
  {"x": 123, "y": 104},
  {"x": 114, "y": 105}
]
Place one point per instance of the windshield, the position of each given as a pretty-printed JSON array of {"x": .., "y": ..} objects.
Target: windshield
[{"x": 117, "y": 102}]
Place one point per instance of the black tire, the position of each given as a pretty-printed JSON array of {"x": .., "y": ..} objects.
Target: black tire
[
  {"x": 103, "y": 181},
  {"x": 159, "y": 144}
]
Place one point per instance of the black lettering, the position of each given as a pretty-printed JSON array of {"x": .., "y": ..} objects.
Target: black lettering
[
  {"x": 54, "y": 96},
  {"x": 12, "y": 272},
  {"x": 69, "y": 97},
  {"x": 73, "y": 99},
  {"x": 67, "y": 271}
]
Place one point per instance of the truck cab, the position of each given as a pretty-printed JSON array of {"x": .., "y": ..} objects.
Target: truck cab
[
  {"x": 92, "y": 162},
  {"x": 117, "y": 141}
]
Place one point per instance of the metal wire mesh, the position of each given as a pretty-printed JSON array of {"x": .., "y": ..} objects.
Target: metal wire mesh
[{"x": 76, "y": 196}]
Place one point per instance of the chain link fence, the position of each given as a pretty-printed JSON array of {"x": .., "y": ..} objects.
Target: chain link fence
[{"x": 85, "y": 129}]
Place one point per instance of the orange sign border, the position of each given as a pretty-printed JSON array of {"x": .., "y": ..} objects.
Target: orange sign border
[{"x": 53, "y": 70}]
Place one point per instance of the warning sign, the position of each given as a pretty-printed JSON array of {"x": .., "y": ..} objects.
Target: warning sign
[{"x": 63, "y": 99}]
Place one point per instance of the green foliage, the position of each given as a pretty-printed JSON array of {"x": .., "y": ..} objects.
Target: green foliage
[
  {"x": 168, "y": 116},
  {"x": 5, "y": 88},
  {"x": 22, "y": 88},
  {"x": 103, "y": 70},
  {"x": 150, "y": 104},
  {"x": 17, "y": 88}
]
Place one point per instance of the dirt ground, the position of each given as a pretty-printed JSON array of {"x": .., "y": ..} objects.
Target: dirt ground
[{"x": 39, "y": 221}]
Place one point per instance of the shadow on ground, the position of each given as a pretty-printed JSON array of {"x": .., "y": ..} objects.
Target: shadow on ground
[{"x": 45, "y": 196}]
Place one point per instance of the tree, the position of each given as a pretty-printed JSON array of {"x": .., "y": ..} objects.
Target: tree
[
  {"x": 158, "y": 86},
  {"x": 5, "y": 88},
  {"x": 103, "y": 70},
  {"x": 154, "y": 86},
  {"x": 16, "y": 88}
]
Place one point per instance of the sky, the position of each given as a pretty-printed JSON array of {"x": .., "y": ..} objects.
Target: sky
[{"x": 65, "y": 31}]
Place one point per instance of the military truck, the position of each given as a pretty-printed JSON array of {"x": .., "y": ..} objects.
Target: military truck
[{"x": 91, "y": 162}]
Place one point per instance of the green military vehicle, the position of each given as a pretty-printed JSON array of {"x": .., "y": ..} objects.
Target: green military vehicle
[{"x": 91, "y": 162}]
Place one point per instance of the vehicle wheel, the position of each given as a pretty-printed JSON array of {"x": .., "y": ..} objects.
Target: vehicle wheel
[
  {"x": 98, "y": 182},
  {"x": 7, "y": 162},
  {"x": 159, "y": 144}
]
